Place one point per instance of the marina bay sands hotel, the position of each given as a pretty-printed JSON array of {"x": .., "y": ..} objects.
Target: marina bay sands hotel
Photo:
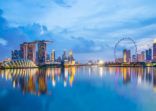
[{"x": 35, "y": 51}]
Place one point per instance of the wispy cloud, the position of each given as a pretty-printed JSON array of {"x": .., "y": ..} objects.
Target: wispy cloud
[
  {"x": 146, "y": 43},
  {"x": 3, "y": 42},
  {"x": 83, "y": 25},
  {"x": 65, "y": 3}
]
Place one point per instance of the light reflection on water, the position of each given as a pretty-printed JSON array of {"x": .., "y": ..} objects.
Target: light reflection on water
[
  {"x": 35, "y": 81},
  {"x": 136, "y": 86}
]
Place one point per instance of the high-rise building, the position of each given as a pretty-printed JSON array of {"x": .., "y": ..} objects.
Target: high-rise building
[
  {"x": 48, "y": 57},
  {"x": 134, "y": 58},
  {"x": 42, "y": 51},
  {"x": 154, "y": 52},
  {"x": 24, "y": 50},
  {"x": 141, "y": 57},
  {"x": 148, "y": 55},
  {"x": 28, "y": 51},
  {"x": 70, "y": 53},
  {"x": 31, "y": 52},
  {"x": 71, "y": 60},
  {"x": 64, "y": 56},
  {"x": 126, "y": 56},
  {"x": 16, "y": 54},
  {"x": 59, "y": 59},
  {"x": 42, "y": 54},
  {"x": 70, "y": 57},
  {"x": 53, "y": 56}
]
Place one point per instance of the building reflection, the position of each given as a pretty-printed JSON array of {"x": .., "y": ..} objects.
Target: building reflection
[
  {"x": 154, "y": 79},
  {"x": 35, "y": 81},
  {"x": 146, "y": 77},
  {"x": 42, "y": 81},
  {"x": 126, "y": 72}
]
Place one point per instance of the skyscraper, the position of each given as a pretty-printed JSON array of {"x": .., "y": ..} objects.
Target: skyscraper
[
  {"x": 53, "y": 56},
  {"x": 70, "y": 57},
  {"x": 59, "y": 59},
  {"x": 28, "y": 51},
  {"x": 148, "y": 55},
  {"x": 16, "y": 54},
  {"x": 64, "y": 56},
  {"x": 134, "y": 58},
  {"x": 154, "y": 52},
  {"x": 48, "y": 57},
  {"x": 24, "y": 50},
  {"x": 31, "y": 52},
  {"x": 126, "y": 56},
  {"x": 42, "y": 51},
  {"x": 141, "y": 57},
  {"x": 71, "y": 60}
]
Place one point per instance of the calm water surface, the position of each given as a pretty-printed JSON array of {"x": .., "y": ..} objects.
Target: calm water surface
[{"x": 78, "y": 89}]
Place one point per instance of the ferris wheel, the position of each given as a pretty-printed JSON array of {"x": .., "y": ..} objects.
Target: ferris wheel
[{"x": 121, "y": 40}]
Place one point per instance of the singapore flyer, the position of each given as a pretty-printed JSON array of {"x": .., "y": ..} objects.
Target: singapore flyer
[{"x": 122, "y": 44}]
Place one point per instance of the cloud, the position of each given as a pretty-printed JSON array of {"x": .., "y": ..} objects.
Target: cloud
[
  {"x": 144, "y": 44},
  {"x": 64, "y": 3},
  {"x": 11, "y": 37},
  {"x": 82, "y": 45},
  {"x": 3, "y": 42},
  {"x": 82, "y": 25}
]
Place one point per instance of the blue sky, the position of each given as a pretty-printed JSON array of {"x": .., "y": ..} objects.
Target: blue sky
[{"x": 89, "y": 27}]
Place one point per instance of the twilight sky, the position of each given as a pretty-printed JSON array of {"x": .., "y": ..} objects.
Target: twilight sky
[{"x": 89, "y": 27}]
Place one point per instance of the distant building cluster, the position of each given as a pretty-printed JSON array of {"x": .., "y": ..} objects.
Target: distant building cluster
[
  {"x": 37, "y": 52},
  {"x": 66, "y": 59},
  {"x": 148, "y": 55}
]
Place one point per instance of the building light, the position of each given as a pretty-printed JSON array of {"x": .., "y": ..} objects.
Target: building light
[{"x": 101, "y": 62}]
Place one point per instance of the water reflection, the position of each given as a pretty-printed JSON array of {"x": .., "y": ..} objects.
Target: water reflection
[
  {"x": 35, "y": 81},
  {"x": 38, "y": 81},
  {"x": 141, "y": 76}
]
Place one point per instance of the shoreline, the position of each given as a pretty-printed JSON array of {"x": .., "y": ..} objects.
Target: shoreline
[{"x": 82, "y": 65}]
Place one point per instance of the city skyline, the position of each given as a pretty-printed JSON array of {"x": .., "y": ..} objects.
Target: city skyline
[
  {"x": 77, "y": 55},
  {"x": 90, "y": 32},
  {"x": 36, "y": 51}
]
